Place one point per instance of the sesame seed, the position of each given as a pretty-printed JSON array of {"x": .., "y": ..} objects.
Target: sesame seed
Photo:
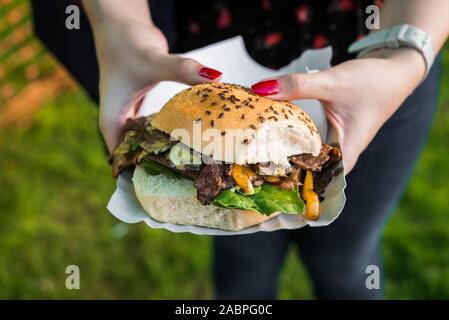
[
  {"x": 212, "y": 123},
  {"x": 242, "y": 117},
  {"x": 197, "y": 120},
  {"x": 227, "y": 109},
  {"x": 238, "y": 107},
  {"x": 253, "y": 127},
  {"x": 213, "y": 103},
  {"x": 223, "y": 133},
  {"x": 221, "y": 115},
  {"x": 261, "y": 119},
  {"x": 207, "y": 112},
  {"x": 275, "y": 112}
]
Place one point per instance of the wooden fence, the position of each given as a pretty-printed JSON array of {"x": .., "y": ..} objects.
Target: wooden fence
[{"x": 29, "y": 75}]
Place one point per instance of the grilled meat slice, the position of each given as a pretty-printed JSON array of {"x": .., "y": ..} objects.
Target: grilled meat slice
[
  {"x": 138, "y": 140},
  {"x": 324, "y": 177},
  {"x": 309, "y": 162},
  {"x": 212, "y": 179}
]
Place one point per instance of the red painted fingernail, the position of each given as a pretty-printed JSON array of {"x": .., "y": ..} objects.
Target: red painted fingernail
[
  {"x": 209, "y": 73},
  {"x": 266, "y": 88}
]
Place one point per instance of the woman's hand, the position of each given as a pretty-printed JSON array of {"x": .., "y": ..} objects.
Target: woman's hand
[
  {"x": 133, "y": 57},
  {"x": 359, "y": 95}
]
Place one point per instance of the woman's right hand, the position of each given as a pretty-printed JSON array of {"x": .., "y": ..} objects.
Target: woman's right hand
[{"x": 133, "y": 56}]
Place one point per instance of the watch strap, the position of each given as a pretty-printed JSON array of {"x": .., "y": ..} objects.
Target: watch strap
[{"x": 396, "y": 37}]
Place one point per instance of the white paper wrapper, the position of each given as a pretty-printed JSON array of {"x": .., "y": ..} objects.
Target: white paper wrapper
[{"x": 231, "y": 58}]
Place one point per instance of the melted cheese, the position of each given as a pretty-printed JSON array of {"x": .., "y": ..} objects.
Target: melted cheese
[
  {"x": 311, "y": 198},
  {"x": 242, "y": 176}
]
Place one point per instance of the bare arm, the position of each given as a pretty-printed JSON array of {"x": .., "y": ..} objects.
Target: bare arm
[
  {"x": 118, "y": 11},
  {"x": 133, "y": 55},
  {"x": 430, "y": 15}
]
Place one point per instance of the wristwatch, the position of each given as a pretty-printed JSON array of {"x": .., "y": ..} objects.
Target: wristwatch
[{"x": 397, "y": 37}]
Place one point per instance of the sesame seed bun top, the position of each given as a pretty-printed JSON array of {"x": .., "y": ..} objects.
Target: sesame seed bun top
[{"x": 270, "y": 130}]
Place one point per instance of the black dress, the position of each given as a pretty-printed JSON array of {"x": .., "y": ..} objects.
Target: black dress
[{"x": 275, "y": 32}]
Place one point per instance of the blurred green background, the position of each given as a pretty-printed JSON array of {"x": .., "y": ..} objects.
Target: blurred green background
[{"x": 55, "y": 184}]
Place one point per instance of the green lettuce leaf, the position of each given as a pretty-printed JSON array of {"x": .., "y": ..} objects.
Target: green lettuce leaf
[
  {"x": 267, "y": 200},
  {"x": 234, "y": 200}
]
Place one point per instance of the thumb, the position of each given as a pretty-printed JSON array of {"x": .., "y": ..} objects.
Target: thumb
[
  {"x": 186, "y": 70},
  {"x": 295, "y": 86}
]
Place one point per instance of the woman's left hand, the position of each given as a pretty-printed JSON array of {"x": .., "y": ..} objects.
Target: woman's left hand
[{"x": 359, "y": 95}]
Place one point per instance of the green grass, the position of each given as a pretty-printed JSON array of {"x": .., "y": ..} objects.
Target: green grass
[{"x": 55, "y": 183}]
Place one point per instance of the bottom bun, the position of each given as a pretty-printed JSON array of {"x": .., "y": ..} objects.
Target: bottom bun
[{"x": 174, "y": 201}]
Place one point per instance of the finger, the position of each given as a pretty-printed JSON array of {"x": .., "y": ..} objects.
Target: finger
[
  {"x": 110, "y": 131},
  {"x": 297, "y": 86},
  {"x": 186, "y": 70},
  {"x": 350, "y": 158},
  {"x": 115, "y": 107}
]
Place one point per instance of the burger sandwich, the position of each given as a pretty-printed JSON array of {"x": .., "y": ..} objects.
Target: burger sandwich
[{"x": 219, "y": 156}]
